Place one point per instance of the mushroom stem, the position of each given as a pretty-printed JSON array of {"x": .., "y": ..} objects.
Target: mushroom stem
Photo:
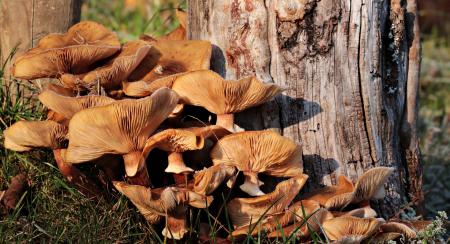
[
  {"x": 76, "y": 177},
  {"x": 176, "y": 164},
  {"x": 136, "y": 169},
  {"x": 226, "y": 121},
  {"x": 251, "y": 184}
]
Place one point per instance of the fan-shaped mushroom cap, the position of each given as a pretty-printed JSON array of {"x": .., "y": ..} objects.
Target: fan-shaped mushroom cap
[
  {"x": 171, "y": 57},
  {"x": 207, "y": 89},
  {"x": 61, "y": 90},
  {"x": 68, "y": 106},
  {"x": 154, "y": 203},
  {"x": 207, "y": 180},
  {"x": 399, "y": 228},
  {"x": 26, "y": 135},
  {"x": 256, "y": 152},
  {"x": 370, "y": 184},
  {"x": 118, "y": 128},
  {"x": 337, "y": 196},
  {"x": 364, "y": 212},
  {"x": 142, "y": 88},
  {"x": 72, "y": 52},
  {"x": 116, "y": 70},
  {"x": 350, "y": 228},
  {"x": 244, "y": 211}
]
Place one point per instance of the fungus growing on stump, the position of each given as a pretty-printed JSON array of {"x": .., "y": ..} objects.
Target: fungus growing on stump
[
  {"x": 207, "y": 180},
  {"x": 119, "y": 128},
  {"x": 254, "y": 152},
  {"x": 207, "y": 89},
  {"x": 350, "y": 229},
  {"x": 73, "y": 52}
]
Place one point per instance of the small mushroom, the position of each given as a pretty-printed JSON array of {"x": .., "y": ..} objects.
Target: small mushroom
[
  {"x": 111, "y": 75},
  {"x": 398, "y": 228},
  {"x": 207, "y": 180},
  {"x": 167, "y": 202},
  {"x": 119, "y": 128},
  {"x": 207, "y": 89},
  {"x": 337, "y": 196},
  {"x": 180, "y": 32},
  {"x": 352, "y": 229},
  {"x": 68, "y": 106},
  {"x": 254, "y": 152},
  {"x": 364, "y": 212},
  {"x": 73, "y": 52},
  {"x": 245, "y": 211},
  {"x": 371, "y": 184},
  {"x": 25, "y": 135},
  {"x": 142, "y": 88}
]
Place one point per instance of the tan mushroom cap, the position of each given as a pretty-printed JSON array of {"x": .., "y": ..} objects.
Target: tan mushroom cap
[
  {"x": 115, "y": 71},
  {"x": 207, "y": 180},
  {"x": 156, "y": 203},
  {"x": 142, "y": 88},
  {"x": 371, "y": 184},
  {"x": 72, "y": 52},
  {"x": 26, "y": 135},
  {"x": 337, "y": 196},
  {"x": 61, "y": 90},
  {"x": 118, "y": 128},
  {"x": 169, "y": 57},
  {"x": 399, "y": 228},
  {"x": 180, "y": 32},
  {"x": 350, "y": 228},
  {"x": 364, "y": 212},
  {"x": 256, "y": 152},
  {"x": 245, "y": 211},
  {"x": 207, "y": 89},
  {"x": 68, "y": 106}
]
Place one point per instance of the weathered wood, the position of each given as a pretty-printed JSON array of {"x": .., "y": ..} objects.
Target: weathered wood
[
  {"x": 345, "y": 64},
  {"x": 24, "y": 22}
]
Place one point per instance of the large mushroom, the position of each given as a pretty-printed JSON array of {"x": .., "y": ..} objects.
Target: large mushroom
[
  {"x": 245, "y": 211},
  {"x": 73, "y": 52},
  {"x": 122, "y": 127},
  {"x": 350, "y": 229},
  {"x": 207, "y": 89},
  {"x": 254, "y": 152},
  {"x": 167, "y": 202}
]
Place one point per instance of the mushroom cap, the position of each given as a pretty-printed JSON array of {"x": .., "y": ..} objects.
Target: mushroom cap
[
  {"x": 61, "y": 90},
  {"x": 259, "y": 152},
  {"x": 161, "y": 201},
  {"x": 142, "y": 88},
  {"x": 244, "y": 211},
  {"x": 207, "y": 89},
  {"x": 169, "y": 57},
  {"x": 399, "y": 228},
  {"x": 384, "y": 237},
  {"x": 351, "y": 228},
  {"x": 370, "y": 184},
  {"x": 68, "y": 106},
  {"x": 26, "y": 135},
  {"x": 207, "y": 180},
  {"x": 118, "y": 69},
  {"x": 180, "y": 32},
  {"x": 364, "y": 212},
  {"x": 337, "y": 196},
  {"x": 118, "y": 128},
  {"x": 72, "y": 52},
  {"x": 212, "y": 132}
]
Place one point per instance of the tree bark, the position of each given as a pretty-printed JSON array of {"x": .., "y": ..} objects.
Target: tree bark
[
  {"x": 351, "y": 72},
  {"x": 24, "y": 22}
]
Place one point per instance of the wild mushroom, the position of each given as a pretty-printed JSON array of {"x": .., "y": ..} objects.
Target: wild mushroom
[
  {"x": 25, "y": 135},
  {"x": 180, "y": 32},
  {"x": 207, "y": 89},
  {"x": 399, "y": 228},
  {"x": 371, "y": 184},
  {"x": 245, "y": 211},
  {"x": 169, "y": 57},
  {"x": 364, "y": 212},
  {"x": 142, "y": 88},
  {"x": 207, "y": 180},
  {"x": 352, "y": 229},
  {"x": 68, "y": 106},
  {"x": 164, "y": 202},
  {"x": 73, "y": 52},
  {"x": 119, "y": 128},
  {"x": 337, "y": 196},
  {"x": 254, "y": 152},
  {"x": 111, "y": 75}
]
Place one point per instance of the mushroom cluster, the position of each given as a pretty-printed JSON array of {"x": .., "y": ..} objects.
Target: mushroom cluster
[{"x": 152, "y": 116}]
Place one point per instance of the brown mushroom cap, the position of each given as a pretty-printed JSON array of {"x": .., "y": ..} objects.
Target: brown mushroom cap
[
  {"x": 180, "y": 32},
  {"x": 26, "y": 135},
  {"x": 72, "y": 52},
  {"x": 399, "y": 228},
  {"x": 350, "y": 228},
  {"x": 244, "y": 211},
  {"x": 337, "y": 196},
  {"x": 364, "y": 212},
  {"x": 207, "y": 180},
  {"x": 68, "y": 106},
  {"x": 207, "y": 89},
  {"x": 142, "y": 88},
  {"x": 256, "y": 152},
  {"x": 116, "y": 70},
  {"x": 118, "y": 128},
  {"x": 169, "y": 57},
  {"x": 371, "y": 184}
]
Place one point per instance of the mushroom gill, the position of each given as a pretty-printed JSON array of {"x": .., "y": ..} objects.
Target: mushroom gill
[{"x": 350, "y": 228}]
